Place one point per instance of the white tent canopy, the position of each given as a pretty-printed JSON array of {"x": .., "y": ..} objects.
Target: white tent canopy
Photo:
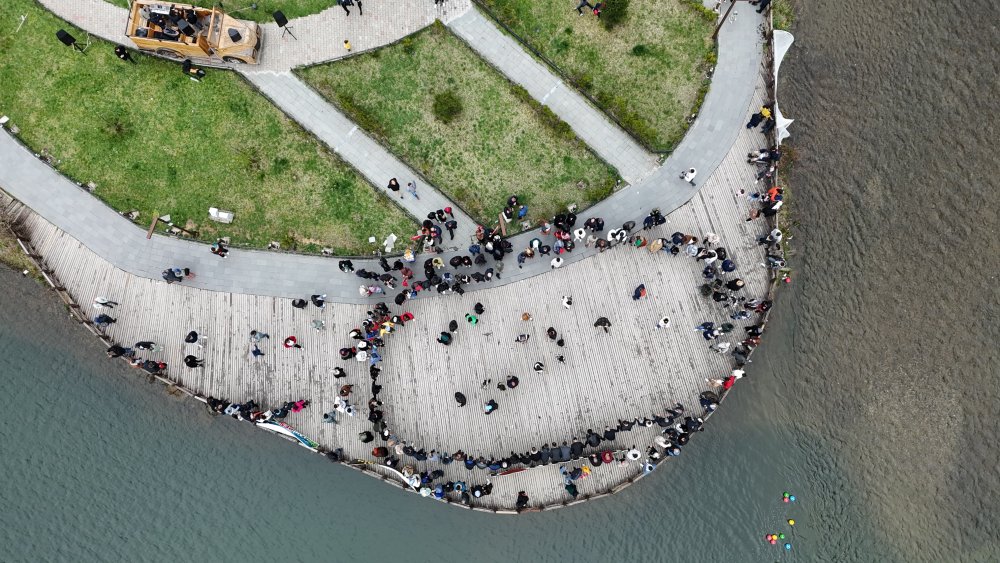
[{"x": 782, "y": 41}]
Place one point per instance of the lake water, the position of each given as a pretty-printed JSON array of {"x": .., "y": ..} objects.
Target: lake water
[{"x": 873, "y": 399}]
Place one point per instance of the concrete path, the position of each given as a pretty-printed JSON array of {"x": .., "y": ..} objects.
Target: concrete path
[
  {"x": 317, "y": 38},
  {"x": 723, "y": 116},
  {"x": 609, "y": 141},
  {"x": 372, "y": 160}
]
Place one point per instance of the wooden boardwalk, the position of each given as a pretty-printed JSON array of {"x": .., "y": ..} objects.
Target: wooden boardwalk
[{"x": 636, "y": 370}]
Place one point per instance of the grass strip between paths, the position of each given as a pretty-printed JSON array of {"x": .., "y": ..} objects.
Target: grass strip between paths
[
  {"x": 475, "y": 135},
  {"x": 648, "y": 70}
]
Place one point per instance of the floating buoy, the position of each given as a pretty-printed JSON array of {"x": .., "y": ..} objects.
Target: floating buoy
[
  {"x": 785, "y": 494},
  {"x": 788, "y": 546},
  {"x": 791, "y": 522},
  {"x": 792, "y": 498},
  {"x": 785, "y": 499},
  {"x": 774, "y": 542},
  {"x": 781, "y": 536}
]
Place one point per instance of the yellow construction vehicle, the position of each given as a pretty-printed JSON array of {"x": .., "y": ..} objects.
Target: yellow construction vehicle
[{"x": 182, "y": 31}]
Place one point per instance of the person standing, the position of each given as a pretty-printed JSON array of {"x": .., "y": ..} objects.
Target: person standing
[
  {"x": 103, "y": 321},
  {"x": 663, "y": 323},
  {"x": 191, "y": 71},
  {"x": 603, "y": 322},
  {"x": 639, "y": 292},
  {"x": 394, "y": 187},
  {"x": 412, "y": 188},
  {"x": 522, "y": 500},
  {"x": 581, "y": 5},
  {"x": 194, "y": 338},
  {"x": 347, "y": 45},
  {"x": 490, "y": 406},
  {"x": 122, "y": 53}
]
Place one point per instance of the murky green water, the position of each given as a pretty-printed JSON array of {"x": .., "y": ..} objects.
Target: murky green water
[{"x": 874, "y": 399}]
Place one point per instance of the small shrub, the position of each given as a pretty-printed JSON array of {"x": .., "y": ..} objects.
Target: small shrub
[
  {"x": 280, "y": 165},
  {"x": 560, "y": 46},
  {"x": 360, "y": 116},
  {"x": 640, "y": 50},
  {"x": 614, "y": 13},
  {"x": 544, "y": 113},
  {"x": 554, "y": 122},
  {"x": 707, "y": 14},
  {"x": 117, "y": 128},
  {"x": 521, "y": 94},
  {"x": 408, "y": 46},
  {"x": 584, "y": 80},
  {"x": 447, "y": 106},
  {"x": 783, "y": 14},
  {"x": 250, "y": 159}
]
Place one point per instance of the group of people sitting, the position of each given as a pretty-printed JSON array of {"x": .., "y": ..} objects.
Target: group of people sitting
[{"x": 250, "y": 411}]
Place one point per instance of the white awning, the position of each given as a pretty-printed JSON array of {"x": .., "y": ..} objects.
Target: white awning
[{"x": 782, "y": 41}]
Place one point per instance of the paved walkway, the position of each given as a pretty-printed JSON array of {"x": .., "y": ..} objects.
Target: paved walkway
[
  {"x": 320, "y": 37},
  {"x": 371, "y": 159},
  {"x": 723, "y": 115},
  {"x": 507, "y": 55}
]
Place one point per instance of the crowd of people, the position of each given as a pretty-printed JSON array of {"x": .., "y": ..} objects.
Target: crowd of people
[{"x": 576, "y": 457}]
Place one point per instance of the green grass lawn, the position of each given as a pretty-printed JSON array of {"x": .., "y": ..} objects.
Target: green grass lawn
[
  {"x": 501, "y": 143},
  {"x": 783, "y": 14},
  {"x": 648, "y": 72},
  {"x": 291, "y": 8},
  {"x": 155, "y": 141}
]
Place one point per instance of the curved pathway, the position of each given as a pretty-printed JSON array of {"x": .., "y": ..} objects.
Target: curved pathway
[{"x": 102, "y": 230}]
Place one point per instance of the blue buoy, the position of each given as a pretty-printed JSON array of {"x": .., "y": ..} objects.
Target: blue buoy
[{"x": 788, "y": 546}]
